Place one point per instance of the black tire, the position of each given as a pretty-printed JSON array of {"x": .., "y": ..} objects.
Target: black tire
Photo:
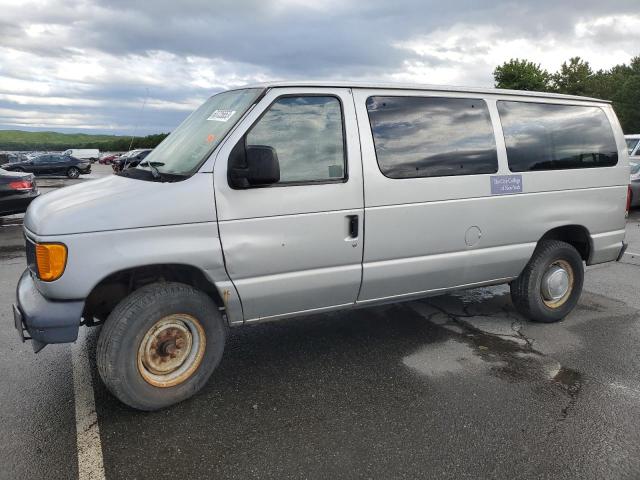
[
  {"x": 119, "y": 344},
  {"x": 73, "y": 172},
  {"x": 526, "y": 290}
]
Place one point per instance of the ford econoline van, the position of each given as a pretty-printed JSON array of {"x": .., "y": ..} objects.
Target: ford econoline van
[{"x": 283, "y": 199}]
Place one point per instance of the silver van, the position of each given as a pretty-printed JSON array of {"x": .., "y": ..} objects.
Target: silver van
[{"x": 283, "y": 199}]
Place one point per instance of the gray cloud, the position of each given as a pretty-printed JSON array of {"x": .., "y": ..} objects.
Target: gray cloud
[{"x": 112, "y": 51}]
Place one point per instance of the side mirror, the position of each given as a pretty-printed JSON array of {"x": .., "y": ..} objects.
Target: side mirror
[{"x": 253, "y": 166}]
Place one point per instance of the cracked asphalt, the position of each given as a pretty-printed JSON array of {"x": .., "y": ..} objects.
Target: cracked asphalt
[{"x": 456, "y": 386}]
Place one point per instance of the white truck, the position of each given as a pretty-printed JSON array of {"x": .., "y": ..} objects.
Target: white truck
[{"x": 83, "y": 153}]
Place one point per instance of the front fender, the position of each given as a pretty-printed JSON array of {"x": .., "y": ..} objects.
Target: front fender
[{"x": 94, "y": 256}]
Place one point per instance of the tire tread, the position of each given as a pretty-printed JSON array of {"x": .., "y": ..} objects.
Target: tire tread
[
  {"x": 119, "y": 324},
  {"x": 523, "y": 289}
]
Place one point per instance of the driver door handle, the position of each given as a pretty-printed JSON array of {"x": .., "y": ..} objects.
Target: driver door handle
[{"x": 353, "y": 226}]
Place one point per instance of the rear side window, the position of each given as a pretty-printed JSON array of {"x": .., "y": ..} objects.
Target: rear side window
[
  {"x": 432, "y": 136},
  {"x": 542, "y": 136}
]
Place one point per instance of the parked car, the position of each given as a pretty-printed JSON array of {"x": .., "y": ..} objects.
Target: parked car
[
  {"x": 9, "y": 157},
  {"x": 130, "y": 159},
  {"x": 107, "y": 158},
  {"x": 633, "y": 145},
  {"x": 17, "y": 190},
  {"x": 254, "y": 209},
  {"x": 51, "y": 164},
  {"x": 90, "y": 154},
  {"x": 634, "y": 200}
]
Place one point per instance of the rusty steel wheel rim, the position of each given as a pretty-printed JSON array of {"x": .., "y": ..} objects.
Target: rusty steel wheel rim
[
  {"x": 557, "y": 284},
  {"x": 171, "y": 350}
]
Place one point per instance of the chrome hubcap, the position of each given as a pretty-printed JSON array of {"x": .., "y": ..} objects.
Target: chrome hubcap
[{"x": 557, "y": 283}]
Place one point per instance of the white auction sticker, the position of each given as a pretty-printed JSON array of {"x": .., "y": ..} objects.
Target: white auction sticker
[{"x": 221, "y": 115}]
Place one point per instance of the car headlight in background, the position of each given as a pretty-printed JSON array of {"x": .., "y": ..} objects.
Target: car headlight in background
[{"x": 51, "y": 260}]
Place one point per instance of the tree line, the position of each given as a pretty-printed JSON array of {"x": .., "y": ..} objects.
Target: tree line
[
  {"x": 122, "y": 144},
  {"x": 619, "y": 84},
  {"x": 26, "y": 141}
]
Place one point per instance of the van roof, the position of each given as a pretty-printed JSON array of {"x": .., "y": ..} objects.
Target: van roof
[
  {"x": 407, "y": 86},
  {"x": 634, "y": 136}
]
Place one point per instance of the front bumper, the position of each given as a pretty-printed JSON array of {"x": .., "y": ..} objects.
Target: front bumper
[{"x": 44, "y": 320}]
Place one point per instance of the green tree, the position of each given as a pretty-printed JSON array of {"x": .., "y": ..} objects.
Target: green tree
[
  {"x": 620, "y": 84},
  {"x": 573, "y": 78},
  {"x": 519, "y": 74},
  {"x": 626, "y": 103}
]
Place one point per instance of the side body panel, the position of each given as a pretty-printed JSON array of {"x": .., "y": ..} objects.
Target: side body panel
[
  {"x": 433, "y": 234},
  {"x": 287, "y": 248},
  {"x": 93, "y": 256}
]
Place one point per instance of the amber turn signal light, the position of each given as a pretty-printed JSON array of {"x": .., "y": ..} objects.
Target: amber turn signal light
[{"x": 51, "y": 258}]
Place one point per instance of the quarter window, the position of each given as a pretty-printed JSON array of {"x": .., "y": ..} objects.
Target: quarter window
[
  {"x": 543, "y": 136},
  {"x": 306, "y": 133},
  {"x": 432, "y": 136}
]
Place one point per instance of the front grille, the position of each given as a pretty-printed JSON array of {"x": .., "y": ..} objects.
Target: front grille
[{"x": 30, "y": 250}]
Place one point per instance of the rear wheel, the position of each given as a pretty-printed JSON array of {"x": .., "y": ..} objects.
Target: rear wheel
[
  {"x": 73, "y": 172},
  {"x": 160, "y": 345},
  {"x": 550, "y": 285}
]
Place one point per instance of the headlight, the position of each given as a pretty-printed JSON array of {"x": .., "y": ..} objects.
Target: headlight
[{"x": 51, "y": 259}]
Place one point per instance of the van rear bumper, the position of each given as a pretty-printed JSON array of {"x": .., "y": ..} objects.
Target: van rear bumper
[
  {"x": 622, "y": 250},
  {"x": 606, "y": 247},
  {"x": 44, "y": 320}
]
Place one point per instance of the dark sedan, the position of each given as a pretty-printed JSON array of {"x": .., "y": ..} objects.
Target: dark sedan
[
  {"x": 635, "y": 182},
  {"x": 129, "y": 160},
  {"x": 17, "y": 190},
  {"x": 51, "y": 164}
]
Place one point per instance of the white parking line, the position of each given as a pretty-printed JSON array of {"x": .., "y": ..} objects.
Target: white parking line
[
  {"x": 90, "y": 462},
  {"x": 631, "y": 258}
]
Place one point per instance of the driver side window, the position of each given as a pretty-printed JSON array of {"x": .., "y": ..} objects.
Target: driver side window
[{"x": 306, "y": 133}]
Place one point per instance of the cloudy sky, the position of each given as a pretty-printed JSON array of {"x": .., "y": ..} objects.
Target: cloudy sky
[{"x": 87, "y": 65}]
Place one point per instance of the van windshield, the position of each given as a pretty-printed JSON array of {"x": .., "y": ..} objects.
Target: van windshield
[{"x": 184, "y": 150}]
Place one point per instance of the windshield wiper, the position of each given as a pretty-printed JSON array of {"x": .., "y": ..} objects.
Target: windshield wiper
[{"x": 153, "y": 166}]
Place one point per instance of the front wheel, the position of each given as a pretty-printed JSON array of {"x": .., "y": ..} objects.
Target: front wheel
[
  {"x": 160, "y": 345},
  {"x": 73, "y": 172},
  {"x": 550, "y": 285}
]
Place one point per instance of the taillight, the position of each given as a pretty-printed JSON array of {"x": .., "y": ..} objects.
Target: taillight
[
  {"x": 21, "y": 185},
  {"x": 628, "y": 200}
]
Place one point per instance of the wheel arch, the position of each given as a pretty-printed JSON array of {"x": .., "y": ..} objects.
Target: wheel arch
[
  {"x": 115, "y": 286},
  {"x": 576, "y": 235}
]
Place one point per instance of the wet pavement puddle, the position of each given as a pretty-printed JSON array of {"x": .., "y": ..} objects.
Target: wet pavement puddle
[{"x": 489, "y": 341}]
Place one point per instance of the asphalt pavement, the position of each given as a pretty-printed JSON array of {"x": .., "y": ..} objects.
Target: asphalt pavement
[{"x": 457, "y": 386}]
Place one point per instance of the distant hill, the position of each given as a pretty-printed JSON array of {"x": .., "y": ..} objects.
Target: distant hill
[{"x": 21, "y": 140}]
